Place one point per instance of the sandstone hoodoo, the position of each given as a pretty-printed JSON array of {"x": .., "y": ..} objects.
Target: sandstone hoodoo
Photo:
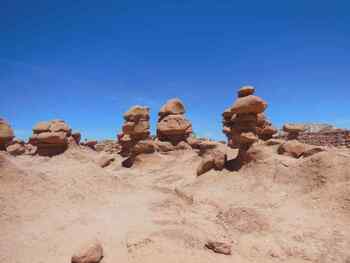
[
  {"x": 245, "y": 123},
  {"x": 6, "y": 134},
  {"x": 51, "y": 138},
  {"x": 135, "y": 136},
  {"x": 172, "y": 125},
  {"x": 293, "y": 130}
]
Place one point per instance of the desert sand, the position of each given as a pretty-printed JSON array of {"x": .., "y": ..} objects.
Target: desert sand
[{"x": 274, "y": 209}]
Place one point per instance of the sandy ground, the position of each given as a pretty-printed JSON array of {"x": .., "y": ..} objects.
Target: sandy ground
[{"x": 277, "y": 209}]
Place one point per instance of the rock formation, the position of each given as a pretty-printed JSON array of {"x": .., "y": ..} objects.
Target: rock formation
[
  {"x": 135, "y": 137},
  {"x": 91, "y": 252},
  {"x": 51, "y": 138},
  {"x": 16, "y": 147},
  {"x": 6, "y": 134},
  {"x": 244, "y": 122},
  {"x": 172, "y": 125},
  {"x": 293, "y": 130}
]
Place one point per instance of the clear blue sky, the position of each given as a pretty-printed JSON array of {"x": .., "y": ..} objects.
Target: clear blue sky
[{"x": 88, "y": 61}]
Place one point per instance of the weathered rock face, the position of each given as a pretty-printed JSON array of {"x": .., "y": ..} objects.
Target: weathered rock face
[
  {"x": 51, "y": 138},
  {"x": 245, "y": 123},
  {"x": 135, "y": 138},
  {"x": 172, "y": 125},
  {"x": 16, "y": 147},
  {"x": 6, "y": 134},
  {"x": 293, "y": 130},
  {"x": 91, "y": 252}
]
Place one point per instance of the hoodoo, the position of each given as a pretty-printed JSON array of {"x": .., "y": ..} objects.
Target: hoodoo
[
  {"x": 172, "y": 125},
  {"x": 245, "y": 123}
]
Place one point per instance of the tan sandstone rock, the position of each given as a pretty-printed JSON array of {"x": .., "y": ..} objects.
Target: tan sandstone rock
[
  {"x": 91, "y": 252},
  {"x": 292, "y": 148},
  {"x": 6, "y": 134}
]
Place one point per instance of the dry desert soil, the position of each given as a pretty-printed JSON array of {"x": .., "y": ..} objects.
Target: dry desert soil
[{"x": 276, "y": 209}]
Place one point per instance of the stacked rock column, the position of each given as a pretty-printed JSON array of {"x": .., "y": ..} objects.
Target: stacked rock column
[
  {"x": 241, "y": 122},
  {"x": 293, "y": 130},
  {"x": 135, "y": 136},
  {"x": 172, "y": 125}
]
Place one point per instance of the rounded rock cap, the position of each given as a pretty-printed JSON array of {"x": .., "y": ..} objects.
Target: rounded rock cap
[
  {"x": 288, "y": 127},
  {"x": 246, "y": 91},
  {"x": 173, "y": 106}
]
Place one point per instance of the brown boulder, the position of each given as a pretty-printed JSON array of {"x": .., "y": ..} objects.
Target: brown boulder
[
  {"x": 41, "y": 127},
  {"x": 248, "y": 138},
  {"x": 174, "y": 125},
  {"x": 15, "y": 149},
  {"x": 164, "y": 146},
  {"x": 52, "y": 137},
  {"x": 207, "y": 163},
  {"x": 293, "y": 128},
  {"x": 6, "y": 134},
  {"x": 292, "y": 148},
  {"x": 137, "y": 113},
  {"x": 246, "y": 91},
  {"x": 59, "y": 126},
  {"x": 105, "y": 160},
  {"x": 89, "y": 253},
  {"x": 144, "y": 146},
  {"x": 172, "y": 107},
  {"x": 140, "y": 127},
  {"x": 249, "y": 104},
  {"x": 219, "y": 247}
]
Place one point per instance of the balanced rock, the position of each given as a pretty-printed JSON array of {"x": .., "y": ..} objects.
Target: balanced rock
[
  {"x": 51, "y": 138},
  {"x": 172, "y": 124},
  {"x": 246, "y": 91},
  {"x": 249, "y": 104},
  {"x": 293, "y": 130},
  {"x": 6, "y": 134},
  {"x": 173, "y": 106},
  {"x": 135, "y": 137},
  {"x": 244, "y": 123}
]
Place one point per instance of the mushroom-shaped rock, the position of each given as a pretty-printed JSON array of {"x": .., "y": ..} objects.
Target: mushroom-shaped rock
[
  {"x": 40, "y": 127},
  {"x": 249, "y": 104},
  {"x": 6, "y": 134},
  {"x": 172, "y": 106},
  {"x": 91, "y": 252},
  {"x": 174, "y": 125},
  {"x": 246, "y": 91},
  {"x": 51, "y": 138},
  {"x": 137, "y": 113},
  {"x": 294, "y": 128}
]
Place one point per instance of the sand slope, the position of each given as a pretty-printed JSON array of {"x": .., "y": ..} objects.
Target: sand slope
[{"x": 276, "y": 209}]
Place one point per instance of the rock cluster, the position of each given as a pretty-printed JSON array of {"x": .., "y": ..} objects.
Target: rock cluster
[
  {"x": 172, "y": 125},
  {"x": 6, "y": 134},
  {"x": 244, "y": 122},
  {"x": 135, "y": 136},
  {"x": 52, "y": 137},
  {"x": 264, "y": 128}
]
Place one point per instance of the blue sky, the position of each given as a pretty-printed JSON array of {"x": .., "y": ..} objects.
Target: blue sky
[{"x": 88, "y": 61}]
